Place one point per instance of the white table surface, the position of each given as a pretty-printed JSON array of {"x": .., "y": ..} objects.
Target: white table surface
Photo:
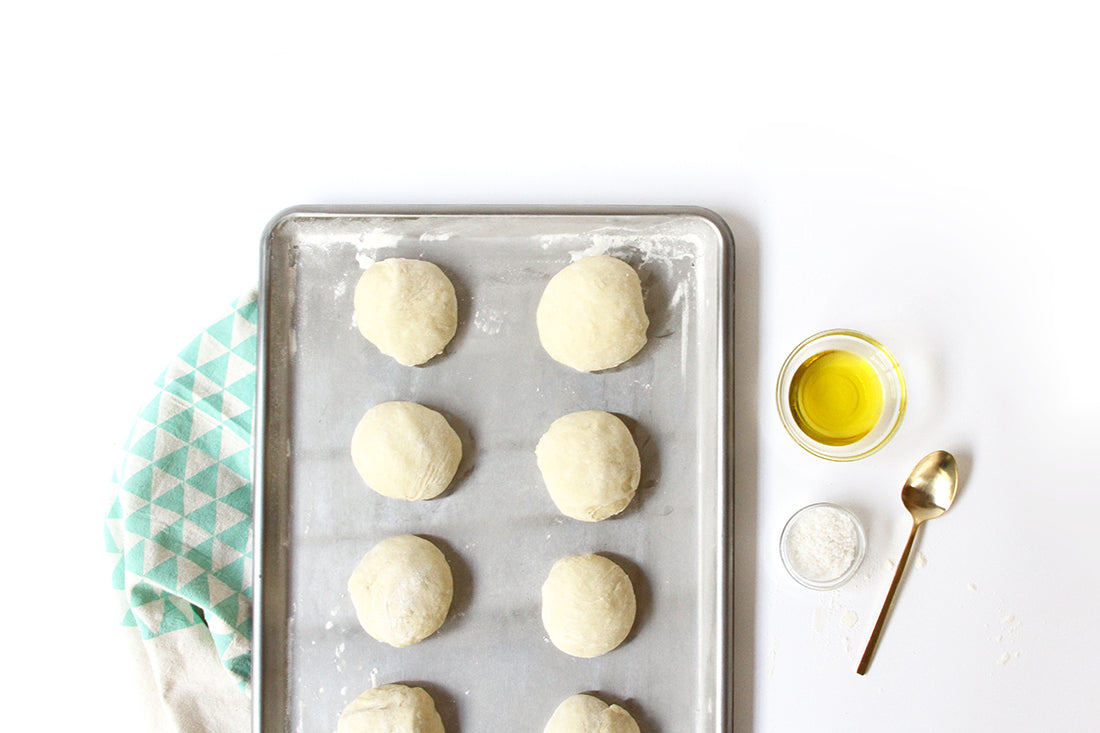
[{"x": 925, "y": 172}]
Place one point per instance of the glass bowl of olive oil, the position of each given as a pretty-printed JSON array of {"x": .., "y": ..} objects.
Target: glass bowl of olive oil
[{"x": 841, "y": 395}]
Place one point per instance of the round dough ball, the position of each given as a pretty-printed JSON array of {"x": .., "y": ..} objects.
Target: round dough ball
[
  {"x": 588, "y": 714},
  {"x": 588, "y": 605},
  {"x": 407, "y": 308},
  {"x": 591, "y": 315},
  {"x": 589, "y": 464},
  {"x": 391, "y": 708},
  {"x": 405, "y": 451},
  {"x": 402, "y": 590}
]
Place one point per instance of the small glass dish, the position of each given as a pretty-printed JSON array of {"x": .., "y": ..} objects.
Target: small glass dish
[
  {"x": 822, "y": 546},
  {"x": 873, "y": 358}
]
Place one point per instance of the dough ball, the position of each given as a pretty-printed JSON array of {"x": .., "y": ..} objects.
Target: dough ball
[
  {"x": 407, "y": 308},
  {"x": 391, "y": 709},
  {"x": 405, "y": 451},
  {"x": 591, "y": 315},
  {"x": 588, "y": 714},
  {"x": 402, "y": 590},
  {"x": 590, "y": 465},
  {"x": 588, "y": 605}
]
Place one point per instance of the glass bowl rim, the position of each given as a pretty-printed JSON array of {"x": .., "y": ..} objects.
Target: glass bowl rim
[
  {"x": 861, "y": 548},
  {"x": 829, "y": 452}
]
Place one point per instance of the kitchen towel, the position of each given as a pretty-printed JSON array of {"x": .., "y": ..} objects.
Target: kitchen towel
[{"x": 181, "y": 526}]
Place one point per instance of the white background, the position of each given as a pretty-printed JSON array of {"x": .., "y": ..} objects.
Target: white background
[{"x": 926, "y": 172}]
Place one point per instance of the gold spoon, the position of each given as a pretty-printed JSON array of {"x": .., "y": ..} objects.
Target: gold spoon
[{"x": 928, "y": 493}]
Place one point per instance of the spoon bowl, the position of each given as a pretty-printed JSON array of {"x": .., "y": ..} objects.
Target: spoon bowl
[
  {"x": 930, "y": 489},
  {"x": 928, "y": 493}
]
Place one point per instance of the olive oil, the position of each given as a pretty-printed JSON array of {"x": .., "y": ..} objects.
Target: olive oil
[{"x": 836, "y": 397}]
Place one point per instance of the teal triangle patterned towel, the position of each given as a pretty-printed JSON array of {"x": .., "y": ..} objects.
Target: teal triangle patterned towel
[{"x": 181, "y": 525}]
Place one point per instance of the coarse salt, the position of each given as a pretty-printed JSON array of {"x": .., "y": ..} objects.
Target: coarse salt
[{"x": 822, "y": 543}]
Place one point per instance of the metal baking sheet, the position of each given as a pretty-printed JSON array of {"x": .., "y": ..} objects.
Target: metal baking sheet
[{"x": 491, "y": 666}]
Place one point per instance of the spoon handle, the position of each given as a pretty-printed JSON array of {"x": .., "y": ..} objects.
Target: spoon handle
[{"x": 876, "y": 633}]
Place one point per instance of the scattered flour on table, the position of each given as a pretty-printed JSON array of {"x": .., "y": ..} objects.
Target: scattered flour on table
[
  {"x": 341, "y": 663},
  {"x": 371, "y": 242},
  {"x": 1009, "y": 627},
  {"x": 652, "y": 244},
  {"x": 488, "y": 320},
  {"x": 364, "y": 259},
  {"x": 818, "y": 621},
  {"x": 834, "y": 623},
  {"x": 1004, "y": 629}
]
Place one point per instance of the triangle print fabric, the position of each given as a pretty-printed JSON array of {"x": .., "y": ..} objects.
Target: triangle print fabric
[{"x": 182, "y": 522}]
